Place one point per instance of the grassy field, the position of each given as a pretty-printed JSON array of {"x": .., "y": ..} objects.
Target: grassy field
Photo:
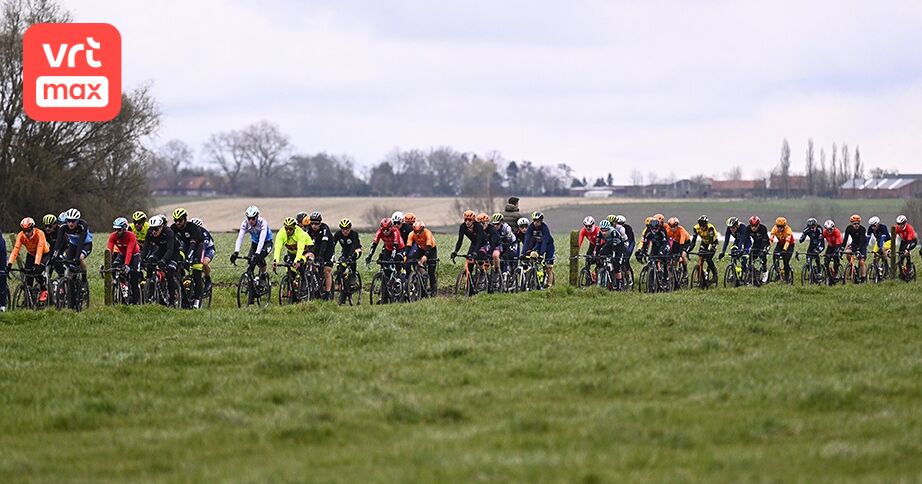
[{"x": 777, "y": 383}]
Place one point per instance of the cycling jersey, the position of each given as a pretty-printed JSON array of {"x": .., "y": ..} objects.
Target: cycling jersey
[
  {"x": 260, "y": 234},
  {"x": 504, "y": 237},
  {"x": 164, "y": 247},
  {"x": 616, "y": 242},
  {"x": 520, "y": 235},
  {"x": 817, "y": 242},
  {"x": 658, "y": 241},
  {"x": 708, "y": 236},
  {"x": 491, "y": 237},
  {"x": 127, "y": 245},
  {"x": 905, "y": 232},
  {"x": 585, "y": 233},
  {"x": 78, "y": 237},
  {"x": 36, "y": 245},
  {"x": 294, "y": 244},
  {"x": 759, "y": 237},
  {"x": 539, "y": 239},
  {"x": 858, "y": 236},
  {"x": 391, "y": 238},
  {"x": 209, "y": 240},
  {"x": 140, "y": 234},
  {"x": 405, "y": 231},
  {"x": 678, "y": 234},
  {"x": 833, "y": 237},
  {"x": 629, "y": 232},
  {"x": 741, "y": 238},
  {"x": 475, "y": 234},
  {"x": 349, "y": 244},
  {"x": 191, "y": 240},
  {"x": 323, "y": 241},
  {"x": 784, "y": 236},
  {"x": 423, "y": 239},
  {"x": 51, "y": 235},
  {"x": 881, "y": 234}
]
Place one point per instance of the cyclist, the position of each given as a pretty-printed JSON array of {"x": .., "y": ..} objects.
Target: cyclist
[
  {"x": 833, "y": 238},
  {"x": 127, "y": 256},
  {"x": 656, "y": 239},
  {"x": 760, "y": 243},
  {"x": 304, "y": 220},
  {"x": 406, "y": 227},
  {"x": 785, "y": 247},
  {"x": 50, "y": 227},
  {"x": 538, "y": 238},
  {"x": 397, "y": 218},
  {"x": 192, "y": 243},
  {"x": 139, "y": 226},
  {"x": 76, "y": 236},
  {"x": 208, "y": 254},
  {"x": 422, "y": 247},
  {"x": 474, "y": 232},
  {"x": 907, "y": 236},
  {"x": 393, "y": 243},
  {"x": 858, "y": 247},
  {"x": 521, "y": 228},
  {"x": 36, "y": 247},
  {"x": 708, "y": 233},
  {"x": 504, "y": 243},
  {"x": 815, "y": 234},
  {"x": 161, "y": 248},
  {"x": 260, "y": 239},
  {"x": 4, "y": 289},
  {"x": 680, "y": 241},
  {"x": 629, "y": 232},
  {"x": 296, "y": 241},
  {"x": 880, "y": 233},
  {"x": 349, "y": 243},
  {"x": 612, "y": 243},
  {"x": 590, "y": 232},
  {"x": 646, "y": 227},
  {"x": 742, "y": 241},
  {"x": 323, "y": 249}
]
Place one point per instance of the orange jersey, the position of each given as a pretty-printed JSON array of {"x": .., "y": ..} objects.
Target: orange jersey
[
  {"x": 424, "y": 240},
  {"x": 35, "y": 245},
  {"x": 786, "y": 235},
  {"x": 678, "y": 234}
]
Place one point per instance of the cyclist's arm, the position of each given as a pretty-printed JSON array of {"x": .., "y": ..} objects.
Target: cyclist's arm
[
  {"x": 788, "y": 235},
  {"x": 631, "y": 243},
  {"x": 460, "y": 239},
  {"x": 82, "y": 242},
  {"x": 694, "y": 240},
  {"x": 170, "y": 247},
  {"x": 41, "y": 247},
  {"x": 582, "y": 235},
  {"x": 398, "y": 243},
  {"x": 263, "y": 235},
  {"x": 277, "y": 250},
  {"x": 240, "y": 236},
  {"x": 131, "y": 248},
  {"x": 17, "y": 246},
  {"x": 303, "y": 243}
]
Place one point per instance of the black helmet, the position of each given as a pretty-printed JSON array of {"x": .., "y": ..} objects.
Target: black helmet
[
  {"x": 655, "y": 224},
  {"x": 300, "y": 217},
  {"x": 316, "y": 217},
  {"x": 811, "y": 222}
]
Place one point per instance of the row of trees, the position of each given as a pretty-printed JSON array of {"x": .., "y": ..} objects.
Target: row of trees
[{"x": 825, "y": 175}]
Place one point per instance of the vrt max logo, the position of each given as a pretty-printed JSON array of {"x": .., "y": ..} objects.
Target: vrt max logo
[{"x": 72, "y": 72}]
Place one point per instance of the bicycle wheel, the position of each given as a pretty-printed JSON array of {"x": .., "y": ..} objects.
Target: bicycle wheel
[
  {"x": 286, "y": 293},
  {"x": 375, "y": 288},
  {"x": 806, "y": 275},
  {"x": 355, "y": 289},
  {"x": 696, "y": 280},
  {"x": 628, "y": 275},
  {"x": 461, "y": 283},
  {"x": 243, "y": 291},
  {"x": 730, "y": 276},
  {"x": 602, "y": 275},
  {"x": 849, "y": 273},
  {"x": 585, "y": 278},
  {"x": 263, "y": 296},
  {"x": 21, "y": 299},
  {"x": 416, "y": 287},
  {"x": 644, "y": 285}
]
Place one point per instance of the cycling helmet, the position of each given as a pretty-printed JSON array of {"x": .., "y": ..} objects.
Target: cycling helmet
[
  {"x": 197, "y": 221},
  {"x": 754, "y": 220},
  {"x": 874, "y": 221},
  {"x": 673, "y": 221},
  {"x": 386, "y": 223},
  {"x": 604, "y": 225},
  {"x": 179, "y": 213},
  {"x": 829, "y": 225},
  {"x": 781, "y": 221},
  {"x": 660, "y": 217},
  {"x": 409, "y": 218},
  {"x": 901, "y": 219},
  {"x": 537, "y": 216},
  {"x": 300, "y": 216},
  {"x": 811, "y": 222},
  {"x": 289, "y": 222},
  {"x": 156, "y": 222},
  {"x": 469, "y": 215},
  {"x": 27, "y": 223},
  {"x": 252, "y": 211},
  {"x": 703, "y": 220},
  {"x": 72, "y": 214},
  {"x": 345, "y": 223},
  {"x": 855, "y": 218},
  {"x": 138, "y": 216},
  {"x": 497, "y": 218},
  {"x": 120, "y": 223},
  {"x": 316, "y": 217},
  {"x": 733, "y": 222},
  {"x": 620, "y": 219},
  {"x": 589, "y": 221},
  {"x": 397, "y": 217},
  {"x": 655, "y": 224},
  {"x": 62, "y": 217},
  {"x": 612, "y": 219},
  {"x": 482, "y": 217},
  {"x": 49, "y": 219},
  {"x": 647, "y": 220},
  {"x": 522, "y": 222},
  {"x": 418, "y": 225}
]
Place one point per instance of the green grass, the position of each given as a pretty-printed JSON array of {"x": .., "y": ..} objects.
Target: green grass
[{"x": 776, "y": 383}]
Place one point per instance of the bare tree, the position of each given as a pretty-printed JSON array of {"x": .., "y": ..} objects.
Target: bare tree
[
  {"x": 636, "y": 178},
  {"x": 735, "y": 173},
  {"x": 785, "y": 171},
  {"x": 846, "y": 165},
  {"x": 225, "y": 150},
  {"x": 835, "y": 177},
  {"x": 810, "y": 167},
  {"x": 265, "y": 148},
  {"x": 823, "y": 176},
  {"x": 859, "y": 167}
]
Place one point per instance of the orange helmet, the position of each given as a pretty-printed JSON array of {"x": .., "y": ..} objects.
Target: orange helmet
[
  {"x": 409, "y": 218},
  {"x": 419, "y": 225},
  {"x": 781, "y": 221},
  {"x": 855, "y": 218},
  {"x": 482, "y": 217},
  {"x": 27, "y": 223},
  {"x": 468, "y": 215},
  {"x": 673, "y": 222},
  {"x": 660, "y": 217}
]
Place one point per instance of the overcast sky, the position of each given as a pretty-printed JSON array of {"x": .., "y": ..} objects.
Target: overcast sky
[{"x": 684, "y": 87}]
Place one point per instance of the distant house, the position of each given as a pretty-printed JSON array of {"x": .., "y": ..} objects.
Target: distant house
[
  {"x": 193, "y": 186},
  {"x": 798, "y": 186},
  {"x": 897, "y": 186},
  {"x": 738, "y": 188}
]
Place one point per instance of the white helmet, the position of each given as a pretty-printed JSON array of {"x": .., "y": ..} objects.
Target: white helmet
[
  {"x": 901, "y": 219},
  {"x": 620, "y": 219},
  {"x": 72, "y": 214},
  {"x": 522, "y": 222},
  {"x": 156, "y": 221},
  {"x": 197, "y": 221},
  {"x": 829, "y": 225},
  {"x": 589, "y": 221},
  {"x": 252, "y": 211},
  {"x": 397, "y": 217},
  {"x": 874, "y": 221}
]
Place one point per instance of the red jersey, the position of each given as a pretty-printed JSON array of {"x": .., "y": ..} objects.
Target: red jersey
[
  {"x": 833, "y": 237},
  {"x": 127, "y": 244},
  {"x": 391, "y": 238},
  {"x": 592, "y": 235},
  {"x": 906, "y": 232}
]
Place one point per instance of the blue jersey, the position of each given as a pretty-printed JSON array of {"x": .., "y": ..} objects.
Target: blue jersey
[
  {"x": 539, "y": 239},
  {"x": 881, "y": 235}
]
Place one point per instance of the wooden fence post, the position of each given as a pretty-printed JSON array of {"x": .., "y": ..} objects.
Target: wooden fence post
[
  {"x": 893, "y": 249},
  {"x": 574, "y": 262},
  {"x": 107, "y": 277}
]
